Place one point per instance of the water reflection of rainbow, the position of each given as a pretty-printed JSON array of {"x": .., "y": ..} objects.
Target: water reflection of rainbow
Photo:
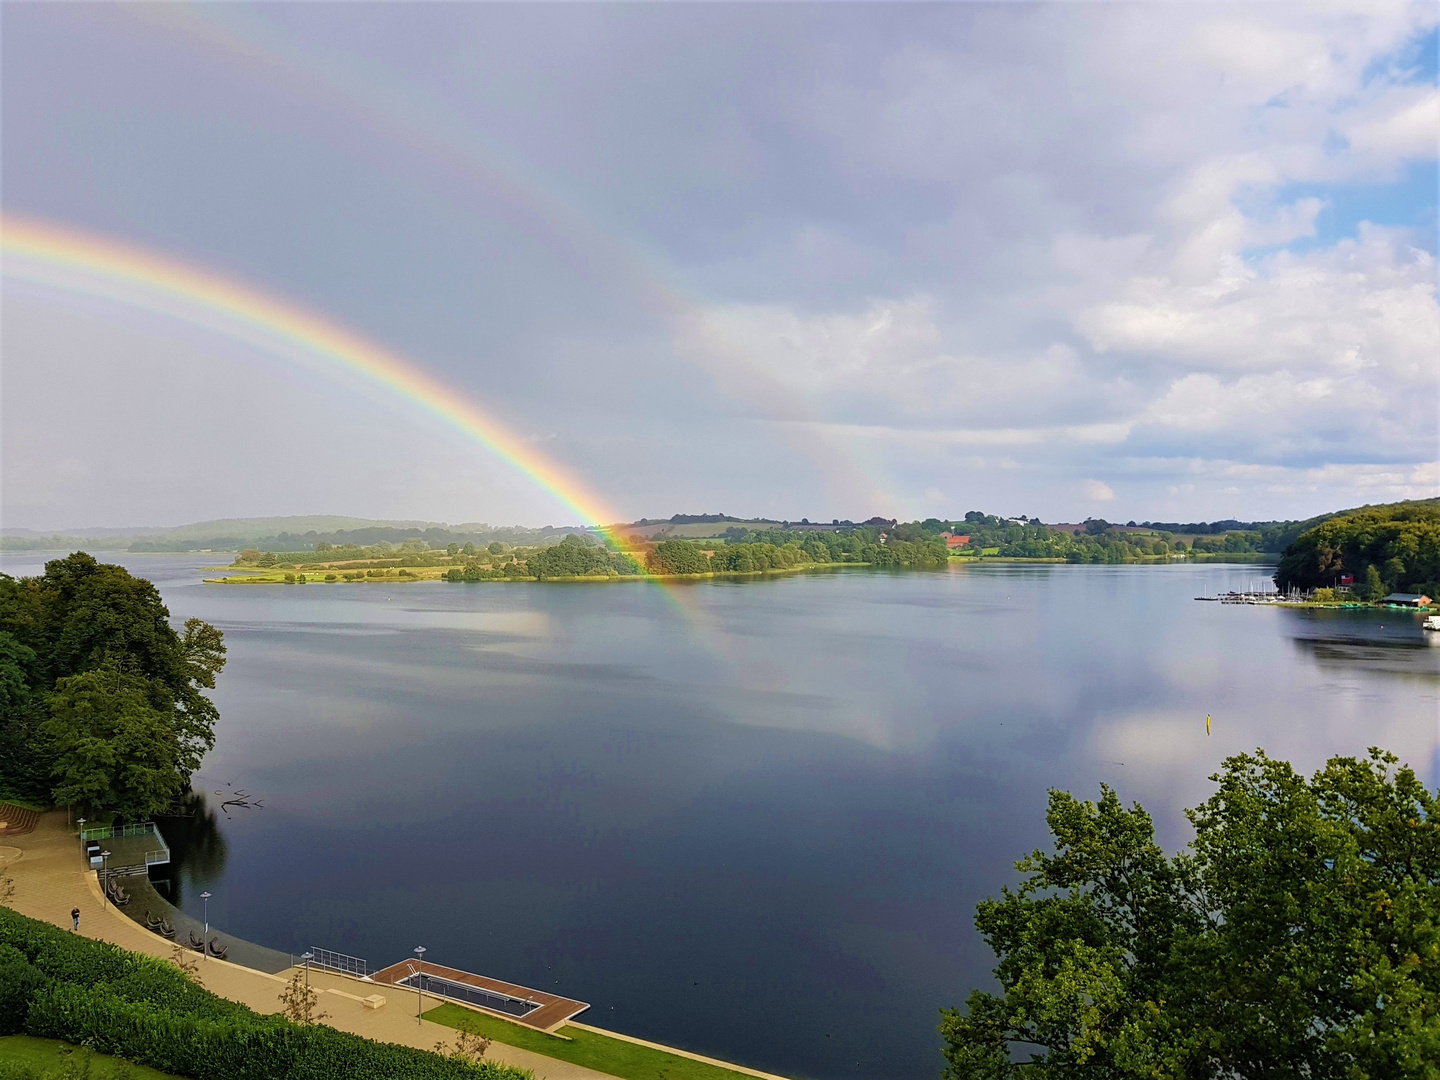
[{"x": 62, "y": 257}]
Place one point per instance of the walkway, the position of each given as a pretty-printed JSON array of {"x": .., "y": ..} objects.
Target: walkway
[{"x": 50, "y": 879}]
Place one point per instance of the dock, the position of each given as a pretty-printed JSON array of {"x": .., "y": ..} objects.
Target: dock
[{"x": 520, "y": 1004}]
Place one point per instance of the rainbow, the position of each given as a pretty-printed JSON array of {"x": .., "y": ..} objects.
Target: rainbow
[
  {"x": 425, "y": 130},
  {"x": 48, "y": 254}
]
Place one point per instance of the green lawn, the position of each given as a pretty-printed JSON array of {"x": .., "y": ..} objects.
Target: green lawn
[
  {"x": 25, "y": 1058},
  {"x": 613, "y": 1056}
]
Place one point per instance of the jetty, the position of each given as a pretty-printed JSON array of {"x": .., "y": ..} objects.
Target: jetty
[{"x": 520, "y": 1004}]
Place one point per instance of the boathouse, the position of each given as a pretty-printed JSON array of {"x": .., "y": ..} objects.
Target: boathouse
[{"x": 1407, "y": 599}]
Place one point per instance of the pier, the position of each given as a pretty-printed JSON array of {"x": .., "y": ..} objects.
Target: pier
[{"x": 521, "y": 1004}]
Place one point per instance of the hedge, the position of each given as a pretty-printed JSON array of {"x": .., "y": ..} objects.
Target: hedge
[{"x": 59, "y": 985}]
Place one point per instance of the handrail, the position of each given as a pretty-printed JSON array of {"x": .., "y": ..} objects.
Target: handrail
[{"x": 338, "y": 961}]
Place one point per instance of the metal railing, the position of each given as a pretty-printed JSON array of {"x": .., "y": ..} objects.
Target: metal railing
[
  {"x": 471, "y": 995},
  {"x": 105, "y": 832},
  {"x": 335, "y": 961},
  {"x": 157, "y": 856}
]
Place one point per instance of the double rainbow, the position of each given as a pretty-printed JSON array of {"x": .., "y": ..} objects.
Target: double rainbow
[{"x": 52, "y": 255}]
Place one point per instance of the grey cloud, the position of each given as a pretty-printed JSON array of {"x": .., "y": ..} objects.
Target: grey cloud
[{"x": 1056, "y": 205}]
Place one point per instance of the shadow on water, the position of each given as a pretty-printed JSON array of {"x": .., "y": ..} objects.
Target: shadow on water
[{"x": 197, "y": 846}]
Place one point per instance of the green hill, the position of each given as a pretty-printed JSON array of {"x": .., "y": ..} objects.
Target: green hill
[{"x": 1389, "y": 548}]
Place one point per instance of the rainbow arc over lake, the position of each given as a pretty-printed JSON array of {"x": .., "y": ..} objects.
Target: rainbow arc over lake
[{"x": 65, "y": 258}]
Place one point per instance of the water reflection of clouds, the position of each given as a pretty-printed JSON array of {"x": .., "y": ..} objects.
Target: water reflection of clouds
[
  {"x": 1168, "y": 757},
  {"x": 399, "y": 621}
]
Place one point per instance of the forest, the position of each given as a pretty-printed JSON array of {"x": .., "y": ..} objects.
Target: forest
[
  {"x": 1098, "y": 542},
  {"x": 1380, "y": 549}
]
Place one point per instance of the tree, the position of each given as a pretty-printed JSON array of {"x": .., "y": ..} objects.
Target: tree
[
  {"x": 496, "y": 548},
  {"x": 111, "y": 745},
  {"x": 299, "y": 1001},
  {"x": 17, "y": 717},
  {"x": 85, "y": 617},
  {"x": 185, "y": 960},
  {"x": 1297, "y": 937},
  {"x": 677, "y": 557},
  {"x": 469, "y": 1046},
  {"x": 1394, "y": 572},
  {"x": 452, "y": 549},
  {"x": 1374, "y": 587}
]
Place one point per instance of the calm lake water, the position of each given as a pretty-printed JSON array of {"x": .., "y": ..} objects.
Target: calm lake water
[{"x": 751, "y": 819}]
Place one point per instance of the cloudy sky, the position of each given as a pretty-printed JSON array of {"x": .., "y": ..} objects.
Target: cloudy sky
[{"x": 1164, "y": 261}]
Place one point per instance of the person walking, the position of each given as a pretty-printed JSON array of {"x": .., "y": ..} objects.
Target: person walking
[{"x": 75, "y": 918}]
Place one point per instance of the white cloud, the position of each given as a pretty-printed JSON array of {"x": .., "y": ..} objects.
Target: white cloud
[
  {"x": 1407, "y": 129},
  {"x": 1099, "y": 491}
]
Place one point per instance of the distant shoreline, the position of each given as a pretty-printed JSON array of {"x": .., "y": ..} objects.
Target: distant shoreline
[{"x": 325, "y": 576}]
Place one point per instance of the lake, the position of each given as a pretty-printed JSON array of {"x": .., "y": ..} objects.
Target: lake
[{"x": 748, "y": 818}]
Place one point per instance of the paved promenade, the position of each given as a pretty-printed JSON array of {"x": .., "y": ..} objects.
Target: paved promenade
[{"x": 50, "y": 879}]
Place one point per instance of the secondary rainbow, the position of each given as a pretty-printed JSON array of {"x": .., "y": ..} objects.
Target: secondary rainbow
[{"x": 31, "y": 247}]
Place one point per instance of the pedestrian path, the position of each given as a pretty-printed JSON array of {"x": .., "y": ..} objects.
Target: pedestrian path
[{"x": 50, "y": 879}]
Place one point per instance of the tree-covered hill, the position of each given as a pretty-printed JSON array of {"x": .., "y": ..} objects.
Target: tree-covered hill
[{"x": 1388, "y": 548}]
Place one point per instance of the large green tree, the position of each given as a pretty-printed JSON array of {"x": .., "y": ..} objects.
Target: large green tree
[
  {"x": 21, "y": 771},
  {"x": 111, "y": 745},
  {"x": 1297, "y": 937},
  {"x": 82, "y": 617}
]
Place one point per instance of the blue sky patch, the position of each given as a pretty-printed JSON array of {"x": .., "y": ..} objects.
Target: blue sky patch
[{"x": 1408, "y": 202}]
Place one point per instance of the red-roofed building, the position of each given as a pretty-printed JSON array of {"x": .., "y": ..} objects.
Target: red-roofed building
[{"x": 952, "y": 541}]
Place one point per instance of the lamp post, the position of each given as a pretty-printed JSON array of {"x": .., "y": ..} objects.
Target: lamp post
[
  {"x": 419, "y": 982},
  {"x": 205, "y": 899},
  {"x": 104, "y": 875},
  {"x": 307, "y": 957}
]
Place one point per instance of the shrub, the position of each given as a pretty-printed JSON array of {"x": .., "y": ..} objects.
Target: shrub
[
  {"x": 59, "y": 985},
  {"x": 19, "y": 982}
]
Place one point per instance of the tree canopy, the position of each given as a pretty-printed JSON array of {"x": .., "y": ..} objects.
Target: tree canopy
[
  {"x": 573, "y": 557},
  {"x": 1297, "y": 937},
  {"x": 1400, "y": 542},
  {"x": 102, "y": 701}
]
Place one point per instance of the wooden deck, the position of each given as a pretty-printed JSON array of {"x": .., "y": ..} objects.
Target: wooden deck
[{"x": 553, "y": 1010}]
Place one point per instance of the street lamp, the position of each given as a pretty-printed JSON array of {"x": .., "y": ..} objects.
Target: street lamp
[
  {"x": 419, "y": 982},
  {"x": 307, "y": 957},
  {"x": 104, "y": 875},
  {"x": 205, "y": 898}
]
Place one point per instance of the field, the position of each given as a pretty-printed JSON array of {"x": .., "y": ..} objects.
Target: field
[{"x": 323, "y": 575}]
